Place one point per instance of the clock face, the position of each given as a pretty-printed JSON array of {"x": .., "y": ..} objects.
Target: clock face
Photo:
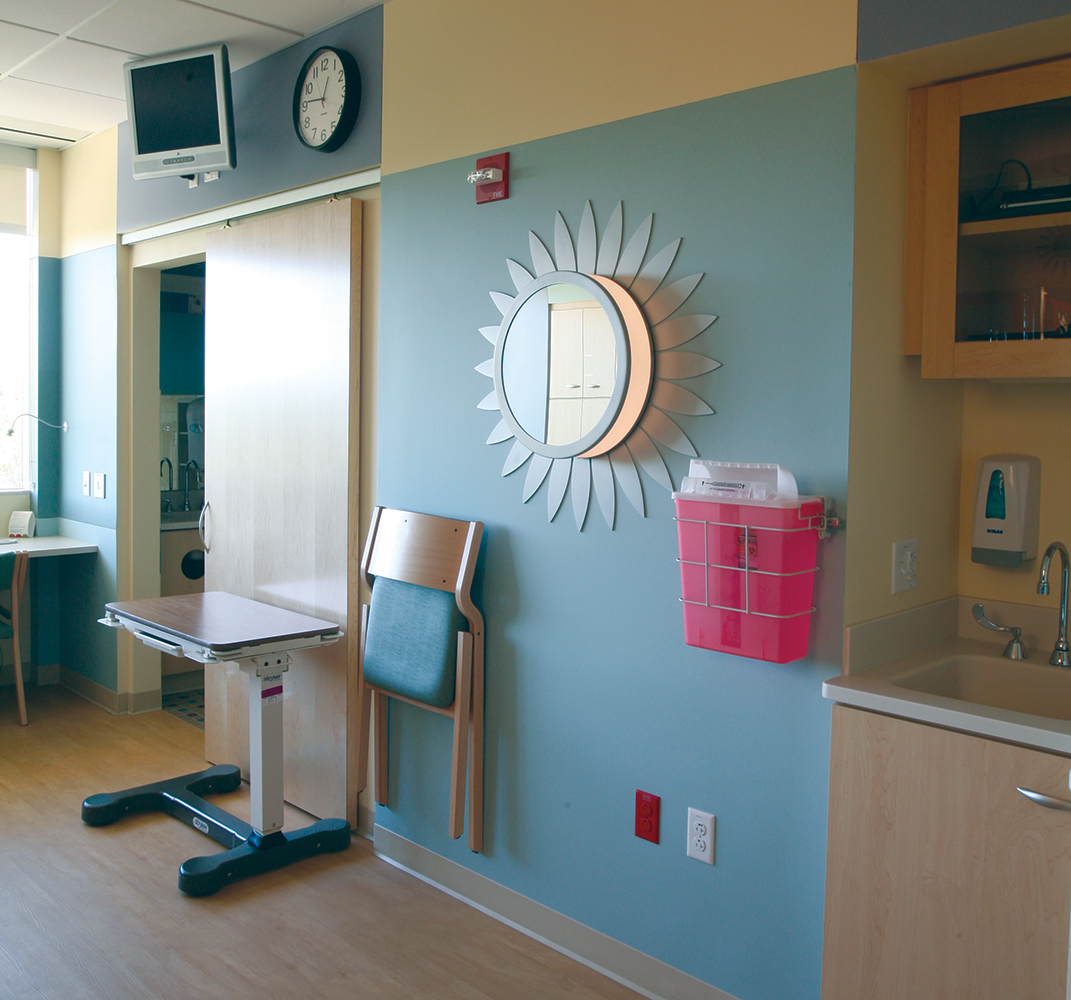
[{"x": 326, "y": 99}]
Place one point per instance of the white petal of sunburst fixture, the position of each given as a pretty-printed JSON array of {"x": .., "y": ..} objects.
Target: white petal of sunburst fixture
[{"x": 585, "y": 369}]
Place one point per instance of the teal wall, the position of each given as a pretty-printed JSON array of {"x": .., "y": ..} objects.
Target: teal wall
[{"x": 591, "y": 690}]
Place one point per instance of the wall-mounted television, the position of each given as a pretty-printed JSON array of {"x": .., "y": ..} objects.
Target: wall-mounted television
[{"x": 180, "y": 113}]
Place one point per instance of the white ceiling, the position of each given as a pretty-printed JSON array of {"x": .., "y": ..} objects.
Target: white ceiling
[{"x": 61, "y": 61}]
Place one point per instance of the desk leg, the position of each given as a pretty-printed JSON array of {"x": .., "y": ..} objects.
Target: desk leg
[{"x": 266, "y": 741}]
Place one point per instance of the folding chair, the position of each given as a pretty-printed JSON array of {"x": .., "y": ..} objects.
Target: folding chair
[
  {"x": 13, "y": 569},
  {"x": 422, "y": 643}
]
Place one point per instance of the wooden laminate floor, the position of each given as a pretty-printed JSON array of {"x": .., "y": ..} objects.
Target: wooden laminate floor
[{"x": 94, "y": 912}]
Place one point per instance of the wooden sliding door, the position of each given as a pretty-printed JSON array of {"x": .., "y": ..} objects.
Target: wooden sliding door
[{"x": 282, "y": 360}]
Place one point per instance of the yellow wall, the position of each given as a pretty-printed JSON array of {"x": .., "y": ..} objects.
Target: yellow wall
[
  {"x": 905, "y": 432},
  {"x": 1031, "y": 418},
  {"x": 49, "y": 194},
  {"x": 88, "y": 193},
  {"x": 12, "y": 196},
  {"x": 460, "y": 78}
]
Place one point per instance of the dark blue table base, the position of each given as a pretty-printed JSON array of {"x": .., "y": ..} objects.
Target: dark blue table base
[{"x": 248, "y": 852}]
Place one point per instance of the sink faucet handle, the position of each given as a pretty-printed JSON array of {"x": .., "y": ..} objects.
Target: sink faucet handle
[{"x": 1014, "y": 650}]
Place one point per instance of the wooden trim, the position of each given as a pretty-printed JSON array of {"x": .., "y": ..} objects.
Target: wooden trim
[
  {"x": 1010, "y": 88},
  {"x": 940, "y": 243},
  {"x": 1025, "y": 358},
  {"x": 355, "y": 776},
  {"x": 916, "y": 219},
  {"x": 364, "y": 701},
  {"x": 18, "y": 577},
  {"x": 381, "y": 790}
]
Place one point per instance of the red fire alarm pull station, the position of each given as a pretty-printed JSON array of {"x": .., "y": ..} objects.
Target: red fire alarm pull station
[
  {"x": 491, "y": 178},
  {"x": 648, "y": 807}
]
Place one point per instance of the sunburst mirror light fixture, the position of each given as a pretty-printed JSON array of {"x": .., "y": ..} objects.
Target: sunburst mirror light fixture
[{"x": 585, "y": 366}]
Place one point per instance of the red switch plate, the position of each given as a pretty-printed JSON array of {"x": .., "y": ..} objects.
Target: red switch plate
[
  {"x": 499, "y": 191},
  {"x": 648, "y": 807}
]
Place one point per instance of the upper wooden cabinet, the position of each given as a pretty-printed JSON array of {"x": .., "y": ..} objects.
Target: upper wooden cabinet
[{"x": 988, "y": 285}]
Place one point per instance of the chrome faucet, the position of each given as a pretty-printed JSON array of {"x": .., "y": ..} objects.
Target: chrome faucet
[
  {"x": 1060, "y": 656},
  {"x": 197, "y": 468},
  {"x": 165, "y": 504}
]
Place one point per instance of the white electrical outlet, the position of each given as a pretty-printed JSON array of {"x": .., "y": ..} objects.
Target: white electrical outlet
[
  {"x": 905, "y": 565},
  {"x": 98, "y": 485},
  {"x": 85, "y": 484},
  {"x": 701, "y": 836}
]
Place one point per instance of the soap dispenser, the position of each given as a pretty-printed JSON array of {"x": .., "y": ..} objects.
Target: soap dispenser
[{"x": 1007, "y": 497}]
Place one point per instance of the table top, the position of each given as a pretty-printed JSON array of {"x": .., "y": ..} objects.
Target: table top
[
  {"x": 220, "y": 621},
  {"x": 46, "y": 545}
]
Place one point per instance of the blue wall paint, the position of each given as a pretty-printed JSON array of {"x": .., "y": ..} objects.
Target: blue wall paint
[
  {"x": 49, "y": 318},
  {"x": 886, "y": 29},
  {"x": 89, "y": 359},
  {"x": 76, "y": 589},
  {"x": 270, "y": 157},
  {"x": 591, "y": 691}
]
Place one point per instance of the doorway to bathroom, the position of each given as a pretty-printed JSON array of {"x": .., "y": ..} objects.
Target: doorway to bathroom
[{"x": 182, "y": 467}]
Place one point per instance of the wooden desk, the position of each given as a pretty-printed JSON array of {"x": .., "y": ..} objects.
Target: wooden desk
[{"x": 46, "y": 545}]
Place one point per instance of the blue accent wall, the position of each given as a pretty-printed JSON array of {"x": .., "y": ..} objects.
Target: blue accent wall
[
  {"x": 88, "y": 354},
  {"x": 886, "y": 29},
  {"x": 270, "y": 156},
  {"x": 591, "y": 690}
]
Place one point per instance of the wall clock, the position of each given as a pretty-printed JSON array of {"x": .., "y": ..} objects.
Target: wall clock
[{"x": 327, "y": 97}]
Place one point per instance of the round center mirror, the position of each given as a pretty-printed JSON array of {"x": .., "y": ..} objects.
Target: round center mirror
[{"x": 562, "y": 365}]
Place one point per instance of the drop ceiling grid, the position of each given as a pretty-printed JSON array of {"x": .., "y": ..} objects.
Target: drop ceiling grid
[{"x": 61, "y": 60}]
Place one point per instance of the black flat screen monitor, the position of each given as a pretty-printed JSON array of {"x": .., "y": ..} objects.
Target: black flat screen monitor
[{"x": 180, "y": 113}]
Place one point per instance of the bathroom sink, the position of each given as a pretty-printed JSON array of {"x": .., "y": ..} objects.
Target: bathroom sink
[
  {"x": 1031, "y": 687},
  {"x": 180, "y": 517}
]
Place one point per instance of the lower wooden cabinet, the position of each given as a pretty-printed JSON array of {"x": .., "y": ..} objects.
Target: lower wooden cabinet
[{"x": 943, "y": 881}]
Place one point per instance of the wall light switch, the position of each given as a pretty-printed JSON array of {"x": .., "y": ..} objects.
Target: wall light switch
[
  {"x": 905, "y": 565},
  {"x": 85, "y": 483},
  {"x": 98, "y": 485}
]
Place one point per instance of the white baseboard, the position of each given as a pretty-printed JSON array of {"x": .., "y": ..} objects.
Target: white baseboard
[
  {"x": 90, "y": 690},
  {"x": 647, "y": 976}
]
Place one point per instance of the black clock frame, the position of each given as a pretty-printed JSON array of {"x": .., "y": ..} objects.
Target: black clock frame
[{"x": 350, "y": 106}]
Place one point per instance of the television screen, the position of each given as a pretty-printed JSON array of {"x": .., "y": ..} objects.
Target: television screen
[{"x": 179, "y": 107}]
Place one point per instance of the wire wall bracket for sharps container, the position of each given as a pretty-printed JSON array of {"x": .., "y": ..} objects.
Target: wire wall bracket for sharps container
[{"x": 748, "y": 546}]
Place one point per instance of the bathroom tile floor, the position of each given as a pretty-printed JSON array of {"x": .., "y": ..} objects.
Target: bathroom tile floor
[{"x": 189, "y": 706}]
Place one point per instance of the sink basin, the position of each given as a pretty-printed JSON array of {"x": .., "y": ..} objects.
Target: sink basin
[
  {"x": 180, "y": 517},
  {"x": 1035, "y": 688}
]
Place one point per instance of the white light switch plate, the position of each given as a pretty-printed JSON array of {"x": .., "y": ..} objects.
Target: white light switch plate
[
  {"x": 905, "y": 565},
  {"x": 98, "y": 485}
]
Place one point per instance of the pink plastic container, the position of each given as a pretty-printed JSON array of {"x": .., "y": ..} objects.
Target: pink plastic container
[{"x": 747, "y": 574}]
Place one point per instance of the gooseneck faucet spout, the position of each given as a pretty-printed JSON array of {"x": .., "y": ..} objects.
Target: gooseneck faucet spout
[
  {"x": 170, "y": 473},
  {"x": 196, "y": 469},
  {"x": 1060, "y": 655}
]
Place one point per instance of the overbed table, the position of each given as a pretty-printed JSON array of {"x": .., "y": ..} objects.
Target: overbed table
[{"x": 217, "y": 627}]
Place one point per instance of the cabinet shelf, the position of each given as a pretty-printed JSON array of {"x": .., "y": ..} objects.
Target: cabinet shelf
[{"x": 1021, "y": 223}]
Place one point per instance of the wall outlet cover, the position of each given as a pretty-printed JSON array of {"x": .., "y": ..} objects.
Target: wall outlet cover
[
  {"x": 648, "y": 808},
  {"x": 701, "y": 827}
]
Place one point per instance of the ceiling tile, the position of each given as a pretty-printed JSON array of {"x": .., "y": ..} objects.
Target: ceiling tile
[
  {"x": 156, "y": 26},
  {"x": 307, "y": 17},
  {"x": 16, "y": 43},
  {"x": 56, "y": 16},
  {"x": 58, "y": 106},
  {"x": 79, "y": 66}
]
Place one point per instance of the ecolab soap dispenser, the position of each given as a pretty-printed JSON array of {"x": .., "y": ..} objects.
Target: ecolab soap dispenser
[{"x": 1007, "y": 495}]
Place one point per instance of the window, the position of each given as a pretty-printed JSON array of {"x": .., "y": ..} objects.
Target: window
[{"x": 16, "y": 298}]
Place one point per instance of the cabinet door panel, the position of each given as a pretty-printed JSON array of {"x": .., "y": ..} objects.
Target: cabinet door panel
[{"x": 941, "y": 879}]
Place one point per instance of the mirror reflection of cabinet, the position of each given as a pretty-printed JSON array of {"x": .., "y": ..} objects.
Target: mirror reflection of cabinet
[{"x": 583, "y": 358}]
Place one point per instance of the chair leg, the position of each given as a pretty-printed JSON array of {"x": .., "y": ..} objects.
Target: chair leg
[
  {"x": 476, "y": 749},
  {"x": 462, "y": 698},
  {"x": 381, "y": 748}
]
